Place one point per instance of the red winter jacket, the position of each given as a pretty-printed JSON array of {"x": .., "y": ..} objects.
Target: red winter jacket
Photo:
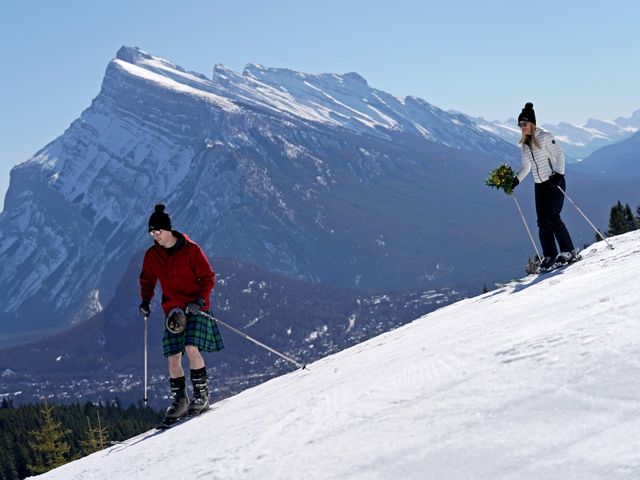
[{"x": 184, "y": 276}]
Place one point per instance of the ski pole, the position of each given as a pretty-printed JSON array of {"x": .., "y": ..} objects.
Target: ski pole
[
  {"x": 146, "y": 398},
  {"x": 527, "y": 227},
  {"x": 609, "y": 246},
  {"x": 242, "y": 334}
]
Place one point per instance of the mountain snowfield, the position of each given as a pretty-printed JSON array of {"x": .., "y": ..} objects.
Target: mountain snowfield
[
  {"x": 338, "y": 100},
  {"x": 577, "y": 141},
  {"x": 534, "y": 380}
]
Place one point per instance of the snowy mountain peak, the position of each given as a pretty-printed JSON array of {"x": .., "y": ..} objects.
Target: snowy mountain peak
[
  {"x": 132, "y": 54},
  {"x": 222, "y": 71},
  {"x": 578, "y": 141},
  {"x": 160, "y": 66},
  {"x": 633, "y": 121},
  {"x": 279, "y": 76},
  {"x": 537, "y": 379},
  {"x": 355, "y": 78},
  {"x": 343, "y": 100}
]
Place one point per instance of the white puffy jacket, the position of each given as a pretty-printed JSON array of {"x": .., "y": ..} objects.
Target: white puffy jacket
[{"x": 544, "y": 161}]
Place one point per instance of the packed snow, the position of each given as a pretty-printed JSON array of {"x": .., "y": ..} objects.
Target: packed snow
[{"x": 534, "y": 380}]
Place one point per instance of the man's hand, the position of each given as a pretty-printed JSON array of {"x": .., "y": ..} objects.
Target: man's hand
[
  {"x": 144, "y": 309},
  {"x": 194, "y": 307}
]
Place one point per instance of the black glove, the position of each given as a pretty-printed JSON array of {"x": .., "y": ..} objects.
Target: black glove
[
  {"x": 514, "y": 184},
  {"x": 194, "y": 307},
  {"x": 144, "y": 309},
  {"x": 555, "y": 179}
]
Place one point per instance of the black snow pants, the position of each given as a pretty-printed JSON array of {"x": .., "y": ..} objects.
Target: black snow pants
[{"x": 551, "y": 228}]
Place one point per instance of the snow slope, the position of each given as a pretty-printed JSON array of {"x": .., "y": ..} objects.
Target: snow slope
[{"x": 535, "y": 380}]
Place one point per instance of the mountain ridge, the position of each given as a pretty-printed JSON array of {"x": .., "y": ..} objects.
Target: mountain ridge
[
  {"x": 266, "y": 181},
  {"x": 578, "y": 141}
]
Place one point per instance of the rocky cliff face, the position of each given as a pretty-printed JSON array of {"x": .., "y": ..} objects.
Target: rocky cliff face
[{"x": 318, "y": 177}]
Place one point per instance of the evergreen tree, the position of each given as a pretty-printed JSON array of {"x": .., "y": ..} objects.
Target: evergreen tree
[
  {"x": 90, "y": 444},
  {"x": 102, "y": 435},
  {"x": 617, "y": 220},
  {"x": 18, "y": 452},
  {"x": 630, "y": 220},
  {"x": 97, "y": 437},
  {"x": 8, "y": 470},
  {"x": 49, "y": 445}
]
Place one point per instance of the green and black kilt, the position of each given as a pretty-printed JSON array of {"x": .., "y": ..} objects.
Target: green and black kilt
[{"x": 199, "y": 332}]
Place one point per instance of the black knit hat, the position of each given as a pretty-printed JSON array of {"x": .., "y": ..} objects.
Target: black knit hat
[
  {"x": 159, "y": 220},
  {"x": 527, "y": 114}
]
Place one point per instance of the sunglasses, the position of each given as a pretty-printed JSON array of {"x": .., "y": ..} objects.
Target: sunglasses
[
  {"x": 155, "y": 233},
  {"x": 523, "y": 124}
]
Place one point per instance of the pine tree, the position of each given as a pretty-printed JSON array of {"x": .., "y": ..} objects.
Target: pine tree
[
  {"x": 90, "y": 444},
  {"x": 617, "y": 220},
  {"x": 97, "y": 437},
  {"x": 631, "y": 221},
  {"x": 8, "y": 469},
  {"x": 49, "y": 445}
]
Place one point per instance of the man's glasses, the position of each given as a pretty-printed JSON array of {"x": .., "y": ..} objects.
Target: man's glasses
[{"x": 155, "y": 233}]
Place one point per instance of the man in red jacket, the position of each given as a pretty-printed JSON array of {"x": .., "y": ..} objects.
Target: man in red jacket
[{"x": 186, "y": 279}]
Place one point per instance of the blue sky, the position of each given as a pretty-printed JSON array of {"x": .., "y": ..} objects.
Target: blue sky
[{"x": 574, "y": 60}]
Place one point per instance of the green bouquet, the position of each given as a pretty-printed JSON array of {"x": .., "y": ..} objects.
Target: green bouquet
[{"x": 501, "y": 178}]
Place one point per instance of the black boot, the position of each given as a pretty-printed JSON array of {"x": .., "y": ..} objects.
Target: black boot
[
  {"x": 180, "y": 402},
  {"x": 200, "y": 401}
]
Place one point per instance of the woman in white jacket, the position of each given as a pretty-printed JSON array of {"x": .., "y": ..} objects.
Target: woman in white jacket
[{"x": 542, "y": 155}]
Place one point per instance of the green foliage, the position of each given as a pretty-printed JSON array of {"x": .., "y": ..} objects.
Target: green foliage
[
  {"x": 97, "y": 437},
  {"x": 501, "y": 178},
  {"x": 633, "y": 223},
  {"x": 48, "y": 443},
  {"x": 34, "y": 438},
  {"x": 622, "y": 220}
]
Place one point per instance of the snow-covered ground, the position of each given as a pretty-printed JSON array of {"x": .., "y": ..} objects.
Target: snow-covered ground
[{"x": 535, "y": 380}]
